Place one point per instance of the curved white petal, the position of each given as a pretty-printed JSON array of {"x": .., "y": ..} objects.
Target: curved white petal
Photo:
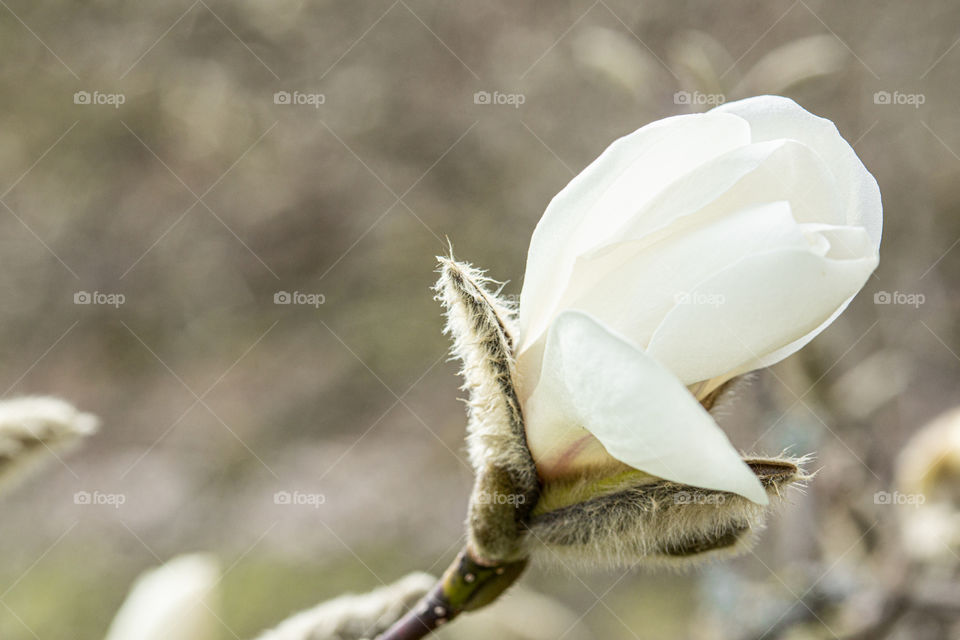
[
  {"x": 702, "y": 223},
  {"x": 605, "y": 195},
  {"x": 652, "y": 281},
  {"x": 684, "y": 234},
  {"x": 849, "y": 241},
  {"x": 770, "y": 300},
  {"x": 768, "y": 171},
  {"x": 775, "y": 117},
  {"x": 170, "y": 603},
  {"x": 595, "y": 380},
  {"x": 770, "y": 359}
]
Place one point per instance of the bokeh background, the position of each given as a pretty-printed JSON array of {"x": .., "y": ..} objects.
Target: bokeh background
[{"x": 201, "y": 196}]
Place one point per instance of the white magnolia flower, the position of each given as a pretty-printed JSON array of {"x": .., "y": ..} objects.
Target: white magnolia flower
[
  {"x": 171, "y": 602},
  {"x": 695, "y": 249}
]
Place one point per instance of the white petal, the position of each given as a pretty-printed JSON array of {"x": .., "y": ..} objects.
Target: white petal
[
  {"x": 758, "y": 173},
  {"x": 772, "y": 358},
  {"x": 605, "y": 195},
  {"x": 694, "y": 228},
  {"x": 845, "y": 241},
  {"x": 169, "y": 603},
  {"x": 775, "y": 117},
  {"x": 595, "y": 380},
  {"x": 637, "y": 286},
  {"x": 770, "y": 300},
  {"x": 755, "y": 174}
]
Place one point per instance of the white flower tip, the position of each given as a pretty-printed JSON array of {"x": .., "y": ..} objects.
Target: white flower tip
[{"x": 753, "y": 491}]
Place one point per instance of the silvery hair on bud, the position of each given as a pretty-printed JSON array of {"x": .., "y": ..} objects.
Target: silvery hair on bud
[
  {"x": 638, "y": 519},
  {"x": 34, "y": 427},
  {"x": 482, "y": 326},
  {"x": 352, "y": 617}
]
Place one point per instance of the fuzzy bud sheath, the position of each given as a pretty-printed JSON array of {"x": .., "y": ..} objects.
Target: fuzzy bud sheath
[
  {"x": 506, "y": 488},
  {"x": 627, "y": 517},
  {"x": 352, "y": 617},
  {"x": 635, "y": 518}
]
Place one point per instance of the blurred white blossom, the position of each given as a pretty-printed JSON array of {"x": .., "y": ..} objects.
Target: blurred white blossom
[
  {"x": 176, "y": 601},
  {"x": 33, "y": 428},
  {"x": 928, "y": 469}
]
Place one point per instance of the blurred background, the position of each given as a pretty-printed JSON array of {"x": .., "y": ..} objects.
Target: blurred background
[{"x": 189, "y": 168}]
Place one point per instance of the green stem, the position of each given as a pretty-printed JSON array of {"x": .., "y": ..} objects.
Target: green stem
[{"x": 466, "y": 585}]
